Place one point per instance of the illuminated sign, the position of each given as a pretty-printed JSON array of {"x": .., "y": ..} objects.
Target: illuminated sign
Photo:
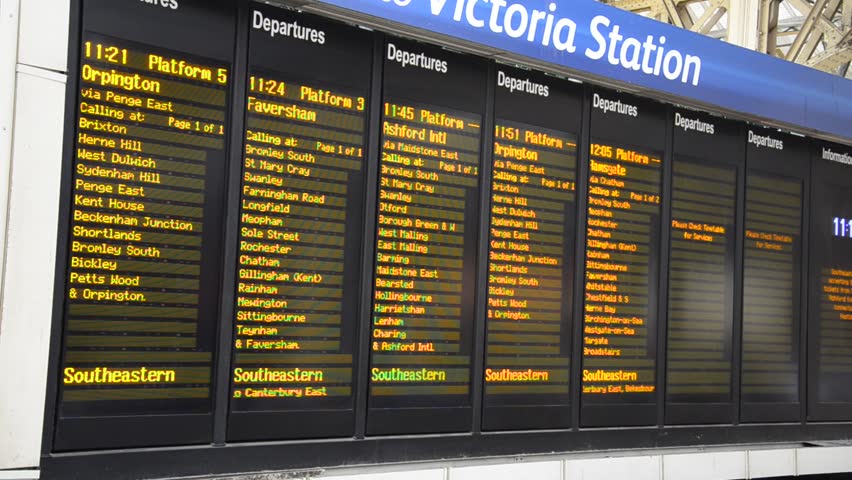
[
  {"x": 770, "y": 295},
  {"x": 708, "y": 154},
  {"x": 830, "y": 329},
  {"x": 530, "y": 262},
  {"x": 301, "y": 213},
  {"x": 144, "y": 246},
  {"x": 148, "y": 128},
  {"x": 312, "y": 230},
  {"x": 624, "y": 198},
  {"x": 842, "y": 227},
  {"x": 421, "y": 336},
  {"x": 700, "y": 289},
  {"x": 773, "y": 238},
  {"x": 622, "y": 243}
]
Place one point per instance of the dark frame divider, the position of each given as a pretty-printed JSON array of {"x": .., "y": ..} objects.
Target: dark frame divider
[
  {"x": 481, "y": 305},
  {"x": 369, "y": 246},
  {"x": 665, "y": 246},
  {"x": 739, "y": 283},
  {"x": 583, "y": 155},
  {"x": 232, "y": 228},
  {"x": 804, "y": 352},
  {"x": 63, "y": 227}
]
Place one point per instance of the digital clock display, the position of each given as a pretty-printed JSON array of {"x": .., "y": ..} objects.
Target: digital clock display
[{"x": 843, "y": 227}]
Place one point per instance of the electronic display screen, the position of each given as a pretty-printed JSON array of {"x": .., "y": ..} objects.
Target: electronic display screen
[
  {"x": 707, "y": 155},
  {"x": 531, "y": 251},
  {"x": 622, "y": 252},
  {"x": 427, "y": 219},
  {"x": 301, "y": 229},
  {"x": 830, "y": 329},
  {"x": 778, "y": 170},
  {"x": 701, "y": 283},
  {"x": 216, "y": 136},
  {"x": 148, "y": 164},
  {"x": 771, "y": 284}
]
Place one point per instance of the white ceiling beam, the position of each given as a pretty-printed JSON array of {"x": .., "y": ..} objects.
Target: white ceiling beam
[
  {"x": 824, "y": 23},
  {"x": 832, "y": 59},
  {"x": 670, "y": 9},
  {"x": 768, "y": 25},
  {"x": 715, "y": 10},
  {"x": 682, "y": 9},
  {"x": 810, "y": 22}
]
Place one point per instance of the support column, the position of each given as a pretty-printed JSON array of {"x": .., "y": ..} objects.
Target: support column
[
  {"x": 743, "y": 23},
  {"x": 768, "y": 26},
  {"x": 33, "y": 53}
]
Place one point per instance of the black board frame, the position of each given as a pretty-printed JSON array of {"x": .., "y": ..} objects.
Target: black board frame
[{"x": 217, "y": 456}]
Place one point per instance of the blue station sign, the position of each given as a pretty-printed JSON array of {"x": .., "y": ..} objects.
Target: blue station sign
[{"x": 600, "y": 40}]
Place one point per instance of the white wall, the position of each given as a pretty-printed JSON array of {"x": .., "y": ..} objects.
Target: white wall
[
  {"x": 33, "y": 51},
  {"x": 9, "y": 16},
  {"x": 697, "y": 464},
  {"x": 44, "y": 34}
]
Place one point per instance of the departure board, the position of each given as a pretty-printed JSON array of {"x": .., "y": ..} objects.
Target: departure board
[
  {"x": 770, "y": 292},
  {"x": 141, "y": 297},
  {"x": 772, "y": 266},
  {"x": 301, "y": 230},
  {"x": 622, "y": 243},
  {"x": 830, "y": 328},
  {"x": 530, "y": 262},
  {"x": 708, "y": 152},
  {"x": 427, "y": 218}
]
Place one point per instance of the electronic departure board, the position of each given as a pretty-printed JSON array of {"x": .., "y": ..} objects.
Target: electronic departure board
[
  {"x": 772, "y": 269},
  {"x": 530, "y": 261},
  {"x": 427, "y": 219},
  {"x": 301, "y": 229},
  {"x": 830, "y": 329},
  {"x": 149, "y": 155},
  {"x": 622, "y": 261},
  {"x": 281, "y": 227},
  {"x": 708, "y": 153}
]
